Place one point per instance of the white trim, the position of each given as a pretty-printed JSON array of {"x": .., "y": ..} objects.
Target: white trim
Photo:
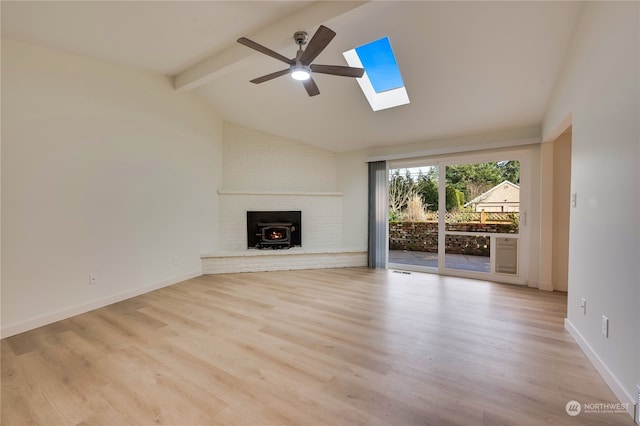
[
  {"x": 412, "y": 268},
  {"x": 290, "y": 252},
  {"x": 533, "y": 284},
  {"x": 295, "y": 193},
  {"x": 40, "y": 321},
  {"x": 545, "y": 286},
  {"x": 511, "y": 143},
  {"x": 618, "y": 389}
]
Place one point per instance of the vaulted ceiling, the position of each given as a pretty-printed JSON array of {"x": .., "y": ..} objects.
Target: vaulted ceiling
[{"x": 469, "y": 67}]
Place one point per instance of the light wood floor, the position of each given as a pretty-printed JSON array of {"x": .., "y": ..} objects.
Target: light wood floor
[{"x": 322, "y": 347}]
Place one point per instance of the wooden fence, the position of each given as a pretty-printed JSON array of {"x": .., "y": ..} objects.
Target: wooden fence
[{"x": 476, "y": 217}]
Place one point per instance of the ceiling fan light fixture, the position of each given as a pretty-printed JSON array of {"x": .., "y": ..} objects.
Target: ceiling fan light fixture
[
  {"x": 302, "y": 65},
  {"x": 300, "y": 72}
]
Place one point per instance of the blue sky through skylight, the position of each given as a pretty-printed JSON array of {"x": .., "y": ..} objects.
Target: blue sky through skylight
[
  {"x": 381, "y": 83},
  {"x": 380, "y": 64}
]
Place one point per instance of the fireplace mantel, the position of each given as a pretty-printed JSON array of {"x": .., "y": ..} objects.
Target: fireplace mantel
[{"x": 281, "y": 193}]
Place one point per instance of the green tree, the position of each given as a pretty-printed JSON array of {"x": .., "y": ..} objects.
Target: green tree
[
  {"x": 510, "y": 170},
  {"x": 477, "y": 178},
  {"x": 463, "y": 182},
  {"x": 454, "y": 198},
  {"x": 427, "y": 187}
]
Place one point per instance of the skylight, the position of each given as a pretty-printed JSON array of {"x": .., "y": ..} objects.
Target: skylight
[{"x": 382, "y": 82}]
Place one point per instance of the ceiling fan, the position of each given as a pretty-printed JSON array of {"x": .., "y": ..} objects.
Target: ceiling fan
[{"x": 301, "y": 66}]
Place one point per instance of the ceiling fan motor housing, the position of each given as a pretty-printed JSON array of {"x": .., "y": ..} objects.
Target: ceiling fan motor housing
[{"x": 300, "y": 37}]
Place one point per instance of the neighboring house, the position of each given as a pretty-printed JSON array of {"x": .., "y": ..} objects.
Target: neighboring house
[{"x": 502, "y": 198}]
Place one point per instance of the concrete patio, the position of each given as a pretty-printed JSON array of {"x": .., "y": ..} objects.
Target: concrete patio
[{"x": 454, "y": 261}]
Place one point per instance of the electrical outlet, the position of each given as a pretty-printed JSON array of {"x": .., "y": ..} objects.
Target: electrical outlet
[
  {"x": 93, "y": 279},
  {"x": 176, "y": 261},
  {"x": 583, "y": 305},
  {"x": 605, "y": 326},
  {"x": 574, "y": 200}
]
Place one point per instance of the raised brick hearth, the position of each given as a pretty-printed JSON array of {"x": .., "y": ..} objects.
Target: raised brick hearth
[{"x": 281, "y": 260}]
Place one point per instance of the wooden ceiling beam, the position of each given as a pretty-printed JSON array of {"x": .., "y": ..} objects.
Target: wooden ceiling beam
[{"x": 275, "y": 35}]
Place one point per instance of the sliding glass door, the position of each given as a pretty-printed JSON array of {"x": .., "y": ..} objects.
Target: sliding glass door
[
  {"x": 482, "y": 217},
  {"x": 459, "y": 216},
  {"x": 413, "y": 217}
]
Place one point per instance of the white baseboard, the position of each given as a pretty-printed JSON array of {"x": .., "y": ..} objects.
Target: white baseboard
[
  {"x": 21, "y": 327},
  {"x": 540, "y": 285},
  {"x": 545, "y": 286},
  {"x": 623, "y": 396}
]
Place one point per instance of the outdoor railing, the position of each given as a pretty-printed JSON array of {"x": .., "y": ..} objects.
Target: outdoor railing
[{"x": 475, "y": 217}]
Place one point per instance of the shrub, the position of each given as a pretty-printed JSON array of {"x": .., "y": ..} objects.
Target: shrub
[{"x": 415, "y": 211}]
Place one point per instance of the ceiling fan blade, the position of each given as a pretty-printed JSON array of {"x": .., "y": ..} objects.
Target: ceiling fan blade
[
  {"x": 260, "y": 48},
  {"x": 338, "y": 70},
  {"x": 269, "y": 76},
  {"x": 312, "y": 88},
  {"x": 318, "y": 42}
]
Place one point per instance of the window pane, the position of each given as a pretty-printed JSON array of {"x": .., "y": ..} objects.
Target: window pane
[
  {"x": 468, "y": 253},
  {"x": 413, "y": 216},
  {"x": 483, "y": 197}
]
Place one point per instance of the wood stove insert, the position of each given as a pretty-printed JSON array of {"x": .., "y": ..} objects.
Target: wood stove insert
[{"x": 273, "y": 229}]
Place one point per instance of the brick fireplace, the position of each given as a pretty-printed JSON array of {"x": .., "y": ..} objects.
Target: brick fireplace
[
  {"x": 320, "y": 231},
  {"x": 254, "y": 180}
]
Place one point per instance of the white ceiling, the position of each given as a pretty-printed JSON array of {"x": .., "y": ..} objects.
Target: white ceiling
[{"x": 469, "y": 67}]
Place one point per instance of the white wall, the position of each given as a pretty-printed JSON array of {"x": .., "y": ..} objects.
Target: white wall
[
  {"x": 267, "y": 172},
  {"x": 353, "y": 182},
  {"x": 105, "y": 170},
  {"x": 259, "y": 161},
  {"x": 598, "y": 89}
]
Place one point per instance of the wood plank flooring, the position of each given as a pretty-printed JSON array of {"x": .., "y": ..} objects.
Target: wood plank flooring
[{"x": 322, "y": 347}]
